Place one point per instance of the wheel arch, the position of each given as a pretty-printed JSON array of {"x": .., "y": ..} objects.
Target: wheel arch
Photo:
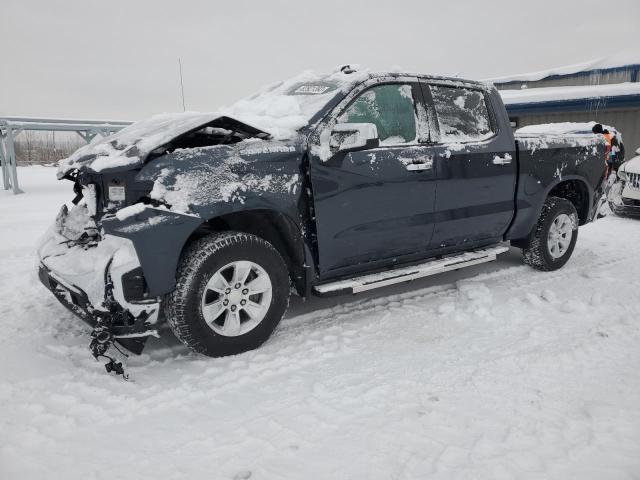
[
  {"x": 576, "y": 190},
  {"x": 276, "y": 227},
  {"x": 573, "y": 188}
]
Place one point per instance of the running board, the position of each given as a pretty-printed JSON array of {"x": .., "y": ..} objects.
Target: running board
[{"x": 405, "y": 274}]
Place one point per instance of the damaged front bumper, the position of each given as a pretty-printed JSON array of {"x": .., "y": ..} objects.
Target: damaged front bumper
[
  {"x": 627, "y": 206},
  {"x": 624, "y": 199},
  {"x": 98, "y": 279}
]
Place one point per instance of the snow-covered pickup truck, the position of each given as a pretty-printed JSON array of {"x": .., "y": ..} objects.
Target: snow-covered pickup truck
[{"x": 320, "y": 184}]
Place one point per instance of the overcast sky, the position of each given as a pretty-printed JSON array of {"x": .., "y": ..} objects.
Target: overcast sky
[{"x": 118, "y": 59}]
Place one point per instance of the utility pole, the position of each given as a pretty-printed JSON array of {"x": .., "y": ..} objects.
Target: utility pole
[{"x": 181, "y": 84}]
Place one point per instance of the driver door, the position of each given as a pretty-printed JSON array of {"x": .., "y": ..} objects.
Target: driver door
[{"x": 375, "y": 205}]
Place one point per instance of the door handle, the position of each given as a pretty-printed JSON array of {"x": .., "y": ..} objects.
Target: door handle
[
  {"x": 504, "y": 160},
  {"x": 418, "y": 164}
]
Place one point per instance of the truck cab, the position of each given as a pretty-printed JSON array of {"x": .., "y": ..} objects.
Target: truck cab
[{"x": 441, "y": 177}]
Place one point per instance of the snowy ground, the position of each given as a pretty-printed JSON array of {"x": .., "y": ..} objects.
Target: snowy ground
[{"x": 492, "y": 372}]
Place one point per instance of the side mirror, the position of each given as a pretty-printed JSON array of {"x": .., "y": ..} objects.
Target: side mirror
[
  {"x": 351, "y": 137},
  {"x": 638, "y": 151}
]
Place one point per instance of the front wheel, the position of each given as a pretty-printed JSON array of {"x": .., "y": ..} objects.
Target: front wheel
[
  {"x": 555, "y": 236},
  {"x": 231, "y": 291}
]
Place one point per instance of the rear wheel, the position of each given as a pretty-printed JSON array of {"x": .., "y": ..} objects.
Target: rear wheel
[
  {"x": 555, "y": 236},
  {"x": 232, "y": 290}
]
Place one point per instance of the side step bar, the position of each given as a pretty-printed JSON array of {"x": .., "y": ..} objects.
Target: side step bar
[{"x": 405, "y": 274}]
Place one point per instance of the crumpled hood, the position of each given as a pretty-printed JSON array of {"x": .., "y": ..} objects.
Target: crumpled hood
[{"x": 130, "y": 146}]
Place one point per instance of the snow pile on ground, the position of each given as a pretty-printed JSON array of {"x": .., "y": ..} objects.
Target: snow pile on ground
[{"x": 492, "y": 372}]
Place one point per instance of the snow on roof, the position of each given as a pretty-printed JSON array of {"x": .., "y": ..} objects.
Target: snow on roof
[
  {"x": 550, "y": 94},
  {"x": 284, "y": 107},
  {"x": 621, "y": 59}
]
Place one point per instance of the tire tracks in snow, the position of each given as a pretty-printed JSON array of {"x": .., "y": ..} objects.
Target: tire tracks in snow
[
  {"x": 315, "y": 337},
  {"x": 511, "y": 277}
]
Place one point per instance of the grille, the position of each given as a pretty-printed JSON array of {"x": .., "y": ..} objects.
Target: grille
[{"x": 633, "y": 180}]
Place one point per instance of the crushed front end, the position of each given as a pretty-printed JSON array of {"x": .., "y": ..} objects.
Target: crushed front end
[
  {"x": 98, "y": 277},
  {"x": 112, "y": 257}
]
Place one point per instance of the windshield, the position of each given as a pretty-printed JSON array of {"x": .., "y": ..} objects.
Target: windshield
[{"x": 283, "y": 108}]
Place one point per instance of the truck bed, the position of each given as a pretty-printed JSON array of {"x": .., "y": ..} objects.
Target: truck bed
[{"x": 547, "y": 160}]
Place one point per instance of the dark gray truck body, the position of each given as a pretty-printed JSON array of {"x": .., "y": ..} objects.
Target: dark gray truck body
[{"x": 335, "y": 214}]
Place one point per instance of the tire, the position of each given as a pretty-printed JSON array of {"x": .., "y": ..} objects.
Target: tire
[
  {"x": 198, "y": 294},
  {"x": 543, "y": 251}
]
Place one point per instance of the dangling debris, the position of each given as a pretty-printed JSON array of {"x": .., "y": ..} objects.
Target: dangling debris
[{"x": 101, "y": 340}]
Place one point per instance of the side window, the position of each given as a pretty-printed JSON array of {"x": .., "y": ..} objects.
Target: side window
[
  {"x": 390, "y": 108},
  {"x": 462, "y": 114}
]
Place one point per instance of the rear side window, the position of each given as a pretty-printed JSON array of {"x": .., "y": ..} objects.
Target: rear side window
[
  {"x": 390, "y": 108},
  {"x": 462, "y": 114}
]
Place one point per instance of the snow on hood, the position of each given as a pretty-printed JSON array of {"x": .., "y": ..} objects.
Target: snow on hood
[
  {"x": 632, "y": 165},
  {"x": 190, "y": 181},
  {"x": 132, "y": 144},
  {"x": 279, "y": 109}
]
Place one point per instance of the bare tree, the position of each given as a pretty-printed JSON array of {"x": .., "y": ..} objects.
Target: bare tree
[{"x": 44, "y": 147}]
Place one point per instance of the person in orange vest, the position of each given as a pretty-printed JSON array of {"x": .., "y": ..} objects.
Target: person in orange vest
[
  {"x": 614, "y": 157},
  {"x": 616, "y": 154},
  {"x": 598, "y": 130}
]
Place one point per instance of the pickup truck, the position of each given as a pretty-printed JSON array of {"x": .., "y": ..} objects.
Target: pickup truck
[{"x": 322, "y": 184}]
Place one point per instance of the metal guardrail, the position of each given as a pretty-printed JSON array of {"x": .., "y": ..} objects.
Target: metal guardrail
[{"x": 10, "y": 127}]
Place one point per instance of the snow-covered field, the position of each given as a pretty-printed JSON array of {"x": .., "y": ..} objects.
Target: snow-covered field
[{"x": 493, "y": 372}]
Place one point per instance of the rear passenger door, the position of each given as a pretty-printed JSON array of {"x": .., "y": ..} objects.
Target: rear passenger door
[{"x": 474, "y": 163}]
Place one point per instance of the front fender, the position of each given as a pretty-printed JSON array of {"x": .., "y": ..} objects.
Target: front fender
[
  {"x": 158, "y": 236},
  {"x": 199, "y": 185}
]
